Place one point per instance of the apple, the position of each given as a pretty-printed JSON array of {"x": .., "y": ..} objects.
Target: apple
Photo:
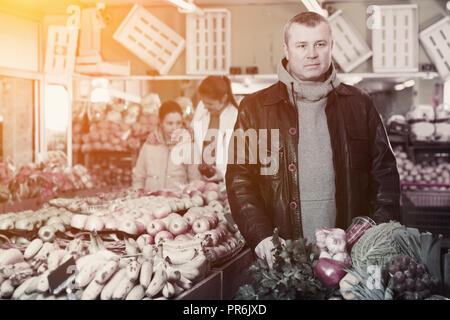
[
  {"x": 211, "y": 195},
  {"x": 169, "y": 218},
  {"x": 192, "y": 214},
  {"x": 216, "y": 204},
  {"x": 163, "y": 236},
  {"x": 161, "y": 211},
  {"x": 178, "y": 226},
  {"x": 144, "y": 240},
  {"x": 155, "y": 226},
  {"x": 200, "y": 225}
]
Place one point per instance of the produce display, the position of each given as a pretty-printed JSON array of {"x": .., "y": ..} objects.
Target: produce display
[
  {"x": 428, "y": 175},
  {"x": 388, "y": 262},
  {"x": 429, "y": 124},
  {"x": 117, "y": 127},
  {"x": 142, "y": 246},
  {"x": 46, "y": 178}
]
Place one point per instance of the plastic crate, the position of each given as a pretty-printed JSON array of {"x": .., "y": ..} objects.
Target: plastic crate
[
  {"x": 395, "y": 43},
  {"x": 60, "y": 53},
  {"x": 350, "y": 49},
  {"x": 208, "y": 38},
  {"x": 436, "y": 42},
  {"x": 427, "y": 211},
  {"x": 150, "y": 39}
]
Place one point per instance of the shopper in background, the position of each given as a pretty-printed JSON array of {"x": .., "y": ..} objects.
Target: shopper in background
[
  {"x": 213, "y": 123},
  {"x": 155, "y": 167},
  {"x": 335, "y": 159}
]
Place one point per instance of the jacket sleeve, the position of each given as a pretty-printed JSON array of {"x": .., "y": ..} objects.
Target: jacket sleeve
[
  {"x": 139, "y": 172},
  {"x": 384, "y": 178},
  {"x": 246, "y": 203}
]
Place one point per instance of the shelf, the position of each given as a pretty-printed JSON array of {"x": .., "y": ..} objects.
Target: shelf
[{"x": 267, "y": 77}]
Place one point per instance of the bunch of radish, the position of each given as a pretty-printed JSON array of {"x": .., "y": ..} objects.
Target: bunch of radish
[{"x": 428, "y": 175}]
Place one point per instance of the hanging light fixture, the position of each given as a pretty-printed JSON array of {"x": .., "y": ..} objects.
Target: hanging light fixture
[{"x": 186, "y": 6}]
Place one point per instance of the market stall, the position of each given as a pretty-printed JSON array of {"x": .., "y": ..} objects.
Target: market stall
[{"x": 78, "y": 108}]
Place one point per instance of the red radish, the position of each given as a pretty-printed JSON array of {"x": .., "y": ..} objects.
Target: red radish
[
  {"x": 161, "y": 211},
  {"x": 178, "y": 226},
  {"x": 78, "y": 221},
  {"x": 211, "y": 196},
  {"x": 155, "y": 227},
  {"x": 94, "y": 223},
  {"x": 144, "y": 240},
  {"x": 162, "y": 236},
  {"x": 201, "y": 225},
  {"x": 169, "y": 218},
  {"x": 128, "y": 226},
  {"x": 211, "y": 186}
]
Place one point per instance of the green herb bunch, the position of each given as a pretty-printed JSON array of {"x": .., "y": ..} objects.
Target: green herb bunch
[{"x": 291, "y": 276}]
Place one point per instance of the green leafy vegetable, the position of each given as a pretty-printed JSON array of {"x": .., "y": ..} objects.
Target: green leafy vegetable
[{"x": 291, "y": 277}]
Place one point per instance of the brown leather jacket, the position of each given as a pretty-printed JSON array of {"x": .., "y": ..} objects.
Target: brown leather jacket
[{"x": 366, "y": 176}]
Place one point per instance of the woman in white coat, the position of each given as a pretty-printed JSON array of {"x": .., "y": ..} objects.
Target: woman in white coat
[
  {"x": 213, "y": 122},
  {"x": 156, "y": 167}
]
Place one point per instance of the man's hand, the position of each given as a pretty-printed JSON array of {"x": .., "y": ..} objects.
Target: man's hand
[{"x": 265, "y": 250}]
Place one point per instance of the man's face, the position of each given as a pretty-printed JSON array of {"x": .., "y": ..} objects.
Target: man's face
[{"x": 309, "y": 51}]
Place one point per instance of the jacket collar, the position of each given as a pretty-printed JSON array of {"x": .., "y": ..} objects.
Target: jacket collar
[{"x": 278, "y": 92}]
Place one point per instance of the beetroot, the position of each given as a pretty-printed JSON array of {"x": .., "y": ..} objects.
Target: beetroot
[{"x": 329, "y": 271}]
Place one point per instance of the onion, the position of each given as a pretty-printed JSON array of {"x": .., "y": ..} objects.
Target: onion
[{"x": 329, "y": 271}]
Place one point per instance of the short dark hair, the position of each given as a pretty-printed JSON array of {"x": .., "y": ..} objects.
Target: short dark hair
[
  {"x": 169, "y": 107},
  {"x": 308, "y": 18},
  {"x": 216, "y": 87}
]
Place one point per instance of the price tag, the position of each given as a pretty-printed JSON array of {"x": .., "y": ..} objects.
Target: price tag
[{"x": 63, "y": 277}]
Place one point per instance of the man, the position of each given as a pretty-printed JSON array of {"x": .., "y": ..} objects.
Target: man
[{"x": 336, "y": 162}]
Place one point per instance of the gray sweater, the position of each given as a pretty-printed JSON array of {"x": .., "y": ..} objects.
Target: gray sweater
[{"x": 315, "y": 159}]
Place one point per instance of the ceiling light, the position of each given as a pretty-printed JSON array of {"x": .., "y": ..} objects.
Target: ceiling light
[
  {"x": 314, "y": 6},
  {"x": 399, "y": 87},
  {"x": 186, "y": 6}
]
